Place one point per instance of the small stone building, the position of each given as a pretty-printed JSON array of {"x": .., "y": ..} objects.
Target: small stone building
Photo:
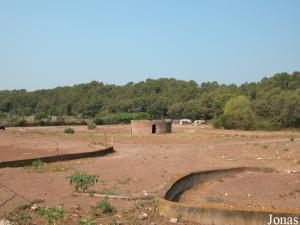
[{"x": 151, "y": 126}]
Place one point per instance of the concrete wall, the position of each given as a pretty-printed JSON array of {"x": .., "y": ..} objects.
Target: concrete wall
[
  {"x": 63, "y": 157},
  {"x": 214, "y": 215},
  {"x": 145, "y": 126},
  {"x": 141, "y": 126},
  {"x": 163, "y": 127}
]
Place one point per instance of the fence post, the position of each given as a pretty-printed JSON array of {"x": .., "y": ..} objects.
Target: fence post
[{"x": 57, "y": 145}]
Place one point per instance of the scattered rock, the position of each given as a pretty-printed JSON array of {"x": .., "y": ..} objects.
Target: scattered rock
[
  {"x": 143, "y": 216},
  {"x": 288, "y": 171},
  {"x": 174, "y": 220},
  {"x": 34, "y": 207},
  {"x": 118, "y": 215},
  {"x": 77, "y": 207},
  {"x": 6, "y": 222},
  {"x": 145, "y": 193}
]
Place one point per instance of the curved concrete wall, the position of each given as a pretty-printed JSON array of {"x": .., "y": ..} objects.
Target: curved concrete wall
[
  {"x": 141, "y": 126},
  {"x": 162, "y": 127},
  {"x": 214, "y": 215},
  {"x": 55, "y": 158},
  {"x": 145, "y": 126}
]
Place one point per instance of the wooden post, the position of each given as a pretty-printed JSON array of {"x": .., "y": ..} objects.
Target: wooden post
[{"x": 56, "y": 145}]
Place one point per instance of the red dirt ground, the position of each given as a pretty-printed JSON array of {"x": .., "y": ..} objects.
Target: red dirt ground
[
  {"x": 34, "y": 142},
  {"x": 249, "y": 189},
  {"x": 141, "y": 162}
]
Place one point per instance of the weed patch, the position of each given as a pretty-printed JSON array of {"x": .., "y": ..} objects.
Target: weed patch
[
  {"x": 53, "y": 215},
  {"x": 103, "y": 206},
  {"x": 82, "y": 180},
  {"x": 69, "y": 130}
]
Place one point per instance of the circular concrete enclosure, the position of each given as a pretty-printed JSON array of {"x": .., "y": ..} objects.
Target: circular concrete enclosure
[
  {"x": 141, "y": 126},
  {"x": 162, "y": 127},
  {"x": 221, "y": 196},
  {"x": 150, "y": 126}
]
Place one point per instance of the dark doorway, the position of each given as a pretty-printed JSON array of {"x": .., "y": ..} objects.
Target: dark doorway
[{"x": 153, "y": 128}]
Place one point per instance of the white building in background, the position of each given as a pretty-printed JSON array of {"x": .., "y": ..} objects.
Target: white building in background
[
  {"x": 199, "y": 122},
  {"x": 185, "y": 121}
]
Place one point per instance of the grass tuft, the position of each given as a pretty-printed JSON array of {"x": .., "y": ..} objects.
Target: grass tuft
[{"x": 103, "y": 206}]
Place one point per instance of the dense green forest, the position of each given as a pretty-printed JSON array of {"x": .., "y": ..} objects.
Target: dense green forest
[{"x": 271, "y": 103}]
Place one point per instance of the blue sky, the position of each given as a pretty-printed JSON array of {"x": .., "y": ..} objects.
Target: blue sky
[{"x": 44, "y": 44}]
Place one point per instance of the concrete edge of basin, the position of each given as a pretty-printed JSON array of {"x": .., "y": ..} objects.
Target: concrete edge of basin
[
  {"x": 215, "y": 215},
  {"x": 56, "y": 158}
]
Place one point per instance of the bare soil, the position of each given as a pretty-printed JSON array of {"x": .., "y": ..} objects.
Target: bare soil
[
  {"x": 145, "y": 163},
  {"x": 249, "y": 189}
]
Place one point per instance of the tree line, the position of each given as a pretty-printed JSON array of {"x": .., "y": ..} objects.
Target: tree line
[{"x": 273, "y": 102}]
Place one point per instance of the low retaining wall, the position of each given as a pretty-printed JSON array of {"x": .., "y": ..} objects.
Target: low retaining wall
[
  {"x": 55, "y": 158},
  {"x": 215, "y": 215}
]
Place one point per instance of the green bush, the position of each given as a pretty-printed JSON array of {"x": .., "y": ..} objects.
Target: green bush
[
  {"x": 238, "y": 114},
  {"x": 52, "y": 214},
  {"x": 69, "y": 130},
  {"x": 103, "y": 206},
  {"x": 92, "y": 126},
  {"x": 37, "y": 163},
  {"x": 19, "y": 209},
  {"x": 98, "y": 120},
  {"x": 23, "y": 218},
  {"x": 82, "y": 180},
  {"x": 217, "y": 122},
  {"x": 263, "y": 124},
  {"x": 21, "y": 123},
  {"x": 2, "y": 115},
  {"x": 116, "y": 118},
  {"x": 40, "y": 115},
  {"x": 43, "y": 123}
]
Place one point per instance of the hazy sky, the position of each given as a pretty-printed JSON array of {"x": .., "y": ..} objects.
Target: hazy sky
[{"x": 44, "y": 44}]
